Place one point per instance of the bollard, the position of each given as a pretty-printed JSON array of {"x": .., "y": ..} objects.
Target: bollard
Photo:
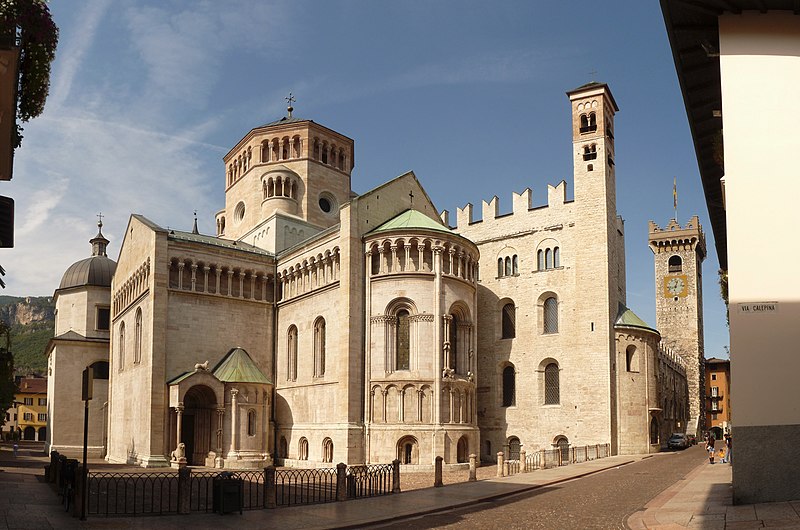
[
  {"x": 523, "y": 458},
  {"x": 437, "y": 483},
  {"x": 341, "y": 481},
  {"x": 184, "y": 490},
  {"x": 472, "y": 468},
  {"x": 395, "y": 476},
  {"x": 500, "y": 464},
  {"x": 269, "y": 487}
]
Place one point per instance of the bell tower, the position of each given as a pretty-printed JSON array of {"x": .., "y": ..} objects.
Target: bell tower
[{"x": 679, "y": 252}]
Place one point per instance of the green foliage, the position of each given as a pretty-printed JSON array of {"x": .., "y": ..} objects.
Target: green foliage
[
  {"x": 31, "y": 22},
  {"x": 29, "y": 345},
  {"x": 723, "y": 292}
]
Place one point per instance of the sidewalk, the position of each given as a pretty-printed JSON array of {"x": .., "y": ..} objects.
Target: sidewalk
[
  {"x": 701, "y": 500},
  {"x": 704, "y": 500},
  {"x": 26, "y": 501}
]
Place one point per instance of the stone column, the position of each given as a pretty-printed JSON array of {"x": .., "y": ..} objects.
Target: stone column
[
  {"x": 406, "y": 265},
  {"x": 234, "y": 422},
  {"x": 500, "y": 462},
  {"x": 230, "y": 282},
  {"x": 242, "y": 274},
  {"x": 217, "y": 273},
  {"x": 220, "y": 434},
  {"x": 181, "y": 265},
  {"x": 206, "y": 269},
  {"x": 194, "y": 276},
  {"x": 438, "y": 473}
]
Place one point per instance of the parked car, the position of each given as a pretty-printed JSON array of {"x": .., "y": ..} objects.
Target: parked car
[{"x": 678, "y": 440}]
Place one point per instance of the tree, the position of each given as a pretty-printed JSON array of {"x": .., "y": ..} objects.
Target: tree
[
  {"x": 30, "y": 25},
  {"x": 7, "y": 386}
]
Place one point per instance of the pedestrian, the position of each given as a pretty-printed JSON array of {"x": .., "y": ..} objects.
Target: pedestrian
[
  {"x": 710, "y": 448},
  {"x": 728, "y": 449}
]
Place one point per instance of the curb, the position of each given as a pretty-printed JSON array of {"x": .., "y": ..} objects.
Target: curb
[{"x": 455, "y": 506}]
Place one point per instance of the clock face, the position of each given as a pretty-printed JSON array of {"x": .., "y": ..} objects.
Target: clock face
[{"x": 675, "y": 286}]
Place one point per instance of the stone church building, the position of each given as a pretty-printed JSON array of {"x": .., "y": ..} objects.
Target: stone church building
[{"x": 321, "y": 326}]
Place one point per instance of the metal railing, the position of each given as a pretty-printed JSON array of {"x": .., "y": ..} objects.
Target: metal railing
[
  {"x": 369, "y": 481},
  {"x": 550, "y": 458},
  {"x": 305, "y": 486},
  {"x": 185, "y": 490}
]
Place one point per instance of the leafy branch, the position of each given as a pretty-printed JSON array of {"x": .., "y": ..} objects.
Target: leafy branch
[{"x": 31, "y": 25}]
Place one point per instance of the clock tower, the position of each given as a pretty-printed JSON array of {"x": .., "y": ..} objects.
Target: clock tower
[{"x": 679, "y": 252}]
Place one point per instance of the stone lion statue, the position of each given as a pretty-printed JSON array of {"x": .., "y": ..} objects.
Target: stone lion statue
[{"x": 179, "y": 454}]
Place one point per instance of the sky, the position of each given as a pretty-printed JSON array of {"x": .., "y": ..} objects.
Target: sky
[{"x": 147, "y": 96}]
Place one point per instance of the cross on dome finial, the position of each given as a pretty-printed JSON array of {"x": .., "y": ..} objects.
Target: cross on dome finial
[
  {"x": 99, "y": 242},
  {"x": 194, "y": 227},
  {"x": 290, "y": 100},
  {"x": 593, "y": 73},
  {"x": 100, "y": 220}
]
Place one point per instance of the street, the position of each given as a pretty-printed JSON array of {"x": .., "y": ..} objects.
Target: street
[{"x": 603, "y": 500}]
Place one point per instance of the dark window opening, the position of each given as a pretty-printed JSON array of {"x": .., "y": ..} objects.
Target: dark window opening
[
  {"x": 509, "y": 384},
  {"x": 509, "y": 321}
]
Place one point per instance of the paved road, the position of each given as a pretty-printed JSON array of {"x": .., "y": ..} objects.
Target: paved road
[{"x": 597, "y": 501}]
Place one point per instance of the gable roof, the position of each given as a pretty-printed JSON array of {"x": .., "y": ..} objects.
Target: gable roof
[
  {"x": 410, "y": 219},
  {"x": 238, "y": 367}
]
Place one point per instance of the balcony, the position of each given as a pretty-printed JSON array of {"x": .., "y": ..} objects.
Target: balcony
[{"x": 588, "y": 129}]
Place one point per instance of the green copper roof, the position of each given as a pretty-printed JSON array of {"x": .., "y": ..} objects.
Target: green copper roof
[
  {"x": 238, "y": 367},
  {"x": 411, "y": 219},
  {"x": 626, "y": 317}
]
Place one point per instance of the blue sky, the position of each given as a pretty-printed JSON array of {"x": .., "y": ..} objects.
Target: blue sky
[{"x": 147, "y": 97}]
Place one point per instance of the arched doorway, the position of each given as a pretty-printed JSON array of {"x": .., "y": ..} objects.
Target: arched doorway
[
  {"x": 716, "y": 432},
  {"x": 407, "y": 450},
  {"x": 462, "y": 450},
  {"x": 196, "y": 429},
  {"x": 653, "y": 431},
  {"x": 42, "y": 434},
  {"x": 29, "y": 433}
]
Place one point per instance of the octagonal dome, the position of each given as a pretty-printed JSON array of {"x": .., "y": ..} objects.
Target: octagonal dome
[{"x": 97, "y": 270}]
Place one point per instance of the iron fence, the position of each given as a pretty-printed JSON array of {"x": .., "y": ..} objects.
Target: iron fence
[
  {"x": 305, "y": 486},
  {"x": 132, "y": 493},
  {"x": 369, "y": 481},
  {"x": 549, "y": 458}
]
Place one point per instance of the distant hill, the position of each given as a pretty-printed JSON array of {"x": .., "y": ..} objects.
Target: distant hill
[{"x": 32, "y": 323}]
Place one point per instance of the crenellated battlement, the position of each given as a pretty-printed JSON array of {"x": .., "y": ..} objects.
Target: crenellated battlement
[
  {"x": 521, "y": 203},
  {"x": 671, "y": 358},
  {"x": 676, "y": 237}
]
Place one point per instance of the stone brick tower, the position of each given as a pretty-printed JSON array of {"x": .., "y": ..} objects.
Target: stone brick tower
[{"x": 679, "y": 254}]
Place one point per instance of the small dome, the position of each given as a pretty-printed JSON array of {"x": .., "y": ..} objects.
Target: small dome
[{"x": 97, "y": 270}]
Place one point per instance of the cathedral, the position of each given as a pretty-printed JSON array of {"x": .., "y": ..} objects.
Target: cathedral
[{"x": 320, "y": 326}]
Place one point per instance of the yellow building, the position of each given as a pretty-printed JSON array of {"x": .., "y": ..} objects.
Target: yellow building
[
  {"x": 31, "y": 404},
  {"x": 718, "y": 396}
]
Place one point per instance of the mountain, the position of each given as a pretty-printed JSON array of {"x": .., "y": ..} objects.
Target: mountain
[{"x": 32, "y": 324}]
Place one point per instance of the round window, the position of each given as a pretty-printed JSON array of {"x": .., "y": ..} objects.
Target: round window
[
  {"x": 238, "y": 213},
  {"x": 327, "y": 203}
]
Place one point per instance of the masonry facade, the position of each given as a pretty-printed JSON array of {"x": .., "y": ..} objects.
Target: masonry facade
[{"x": 320, "y": 326}]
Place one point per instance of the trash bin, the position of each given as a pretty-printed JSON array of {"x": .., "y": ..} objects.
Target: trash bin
[{"x": 228, "y": 489}]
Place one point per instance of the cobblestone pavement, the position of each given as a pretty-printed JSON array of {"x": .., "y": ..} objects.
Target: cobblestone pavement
[{"x": 602, "y": 501}]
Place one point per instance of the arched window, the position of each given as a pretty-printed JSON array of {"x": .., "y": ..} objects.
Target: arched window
[
  {"x": 327, "y": 450},
  {"x": 514, "y": 265},
  {"x": 550, "y": 316},
  {"x": 584, "y": 122},
  {"x": 508, "y": 266},
  {"x": 540, "y": 260},
  {"x": 121, "y": 347},
  {"x": 556, "y": 257},
  {"x": 137, "y": 337},
  {"x": 548, "y": 259},
  {"x": 319, "y": 347},
  {"x": 509, "y": 317},
  {"x": 593, "y": 120},
  {"x": 251, "y": 422},
  {"x": 675, "y": 264},
  {"x": 291, "y": 357},
  {"x": 563, "y": 446},
  {"x": 514, "y": 446},
  {"x": 283, "y": 448},
  {"x": 509, "y": 386},
  {"x": 500, "y": 268},
  {"x": 552, "y": 391},
  {"x": 402, "y": 341},
  {"x": 653, "y": 431},
  {"x": 302, "y": 449},
  {"x": 631, "y": 359}
]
